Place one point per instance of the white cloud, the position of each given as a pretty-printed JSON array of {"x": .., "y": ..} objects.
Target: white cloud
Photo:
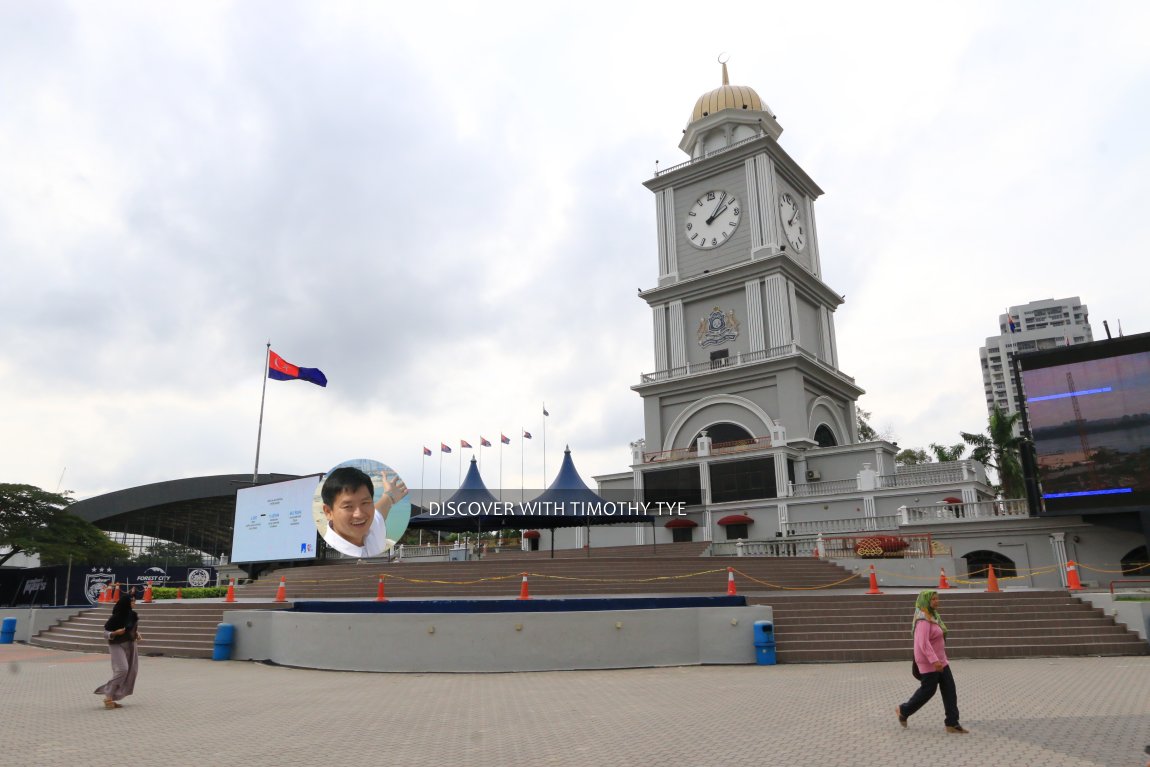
[{"x": 441, "y": 206}]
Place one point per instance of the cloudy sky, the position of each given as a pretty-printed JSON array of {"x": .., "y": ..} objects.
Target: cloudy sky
[{"x": 441, "y": 206}]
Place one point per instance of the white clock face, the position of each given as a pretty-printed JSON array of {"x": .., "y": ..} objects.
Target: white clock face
[
  {"x": 712, "y": 220},
  {"x": 792, "y": 217}
]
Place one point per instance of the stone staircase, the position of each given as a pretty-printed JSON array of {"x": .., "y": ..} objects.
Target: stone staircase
[
  {"x": 499, "y": 576},
  {"x": 170, "y": 628},
  {"x": 821, "y": 614},
  {"x": 828, "y": 628}
]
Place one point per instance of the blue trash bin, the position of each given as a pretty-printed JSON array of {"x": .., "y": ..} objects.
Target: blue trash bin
[
  {"x": 765, "y": 643},
  {"x": 8, "y": 631},
  {"x": 225, "y": 638}
]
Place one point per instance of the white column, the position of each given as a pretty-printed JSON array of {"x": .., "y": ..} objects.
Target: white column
[
  {"x": 707, "y": 526},
  {"x": 769, "y": 194},
  {"x": 668, "y": 227},
  {"x": 869, "y": 512},
  {"x": 756, "y": 333},
  {"x": 781, "y": 478},
  {"x": 834, "y": 341},
  {"x": 813, "y": 243},
  {"x": 825, "y": 332},
  {"x": 659, "y": 314},
  {"x": 678, "y": 339},
  {"x": 784, "y": 518},
  {"x": 778, "y": 311},
  {"x": 1058, "y": 545},
  {"x": 796, "y": 332},
  {"x": 752, "y": 207}
]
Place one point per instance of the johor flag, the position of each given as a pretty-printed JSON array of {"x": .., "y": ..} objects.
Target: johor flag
[
  {"x": 427, "y": 451},
  {"x": 1012, "y": 322},
  {"x": 484, "y": 443},
  {"x": 465, "y": 444},
  {"x": 444, "y": 448},
  {"x": 504, "y": 438},
  {"x": 280, "y": 369},
  {"x": 527, "y": 434}
]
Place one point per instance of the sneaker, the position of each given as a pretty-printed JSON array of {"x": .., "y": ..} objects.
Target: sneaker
[
  {"x": 901, "y": 718},
  {"x": 958, "y": 729}
]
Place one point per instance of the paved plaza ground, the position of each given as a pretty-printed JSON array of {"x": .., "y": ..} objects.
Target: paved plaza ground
[{"x": 1048, "y": 712}]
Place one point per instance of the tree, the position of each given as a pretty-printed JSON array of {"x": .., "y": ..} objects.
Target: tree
[
  {"x": 946, "y": 454},
  {"x": 35, "y": 521},
  {"x": 912, "y": 457},
  {"x": 169, "y": 554},
  {"x": 999, "y": 449},
  {"x": 865, "y": 430}
]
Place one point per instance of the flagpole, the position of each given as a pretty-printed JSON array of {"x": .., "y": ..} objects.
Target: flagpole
[
  {"x": 501, "y": 466},
  {"x": 544, "y": 445},
  {"x": 522, "y": 481},
  {"x": 441, "y": 473},
  {"x": 459, "y": 479},
  {"x": 422, "y": 472},
  {"x": 263, "y": 396}
]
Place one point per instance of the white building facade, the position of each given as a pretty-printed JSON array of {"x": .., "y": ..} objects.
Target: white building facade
[{"x": 1047, "y": 324}]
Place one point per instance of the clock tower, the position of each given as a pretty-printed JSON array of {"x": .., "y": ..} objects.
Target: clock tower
[{"x": 746, "y": 375}]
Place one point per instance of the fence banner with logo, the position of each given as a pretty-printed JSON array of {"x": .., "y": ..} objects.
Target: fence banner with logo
[{"x": 50, "y": 586}]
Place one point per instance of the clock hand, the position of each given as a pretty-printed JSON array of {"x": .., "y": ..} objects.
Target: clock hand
[
  {"x": 716, "y": 214},
  {"x": 718, "y": 207},
  {"x": 793, "y": 217}
]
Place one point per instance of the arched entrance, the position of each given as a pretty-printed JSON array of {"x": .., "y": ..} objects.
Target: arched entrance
[
  {"x": 1136, "y": 562},
  {"x": 977, "y": 563},
  {"x": 724, "y": 432}
]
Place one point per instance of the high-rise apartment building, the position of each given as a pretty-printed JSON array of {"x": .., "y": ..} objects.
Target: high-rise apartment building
[{"x": 1043, "y": 324}]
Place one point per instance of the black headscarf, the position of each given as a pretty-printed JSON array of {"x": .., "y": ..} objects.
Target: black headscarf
[{"x": 123, "y": 616}]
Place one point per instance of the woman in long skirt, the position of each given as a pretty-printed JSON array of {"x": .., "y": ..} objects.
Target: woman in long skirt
[{"x": 122, "y": 635}]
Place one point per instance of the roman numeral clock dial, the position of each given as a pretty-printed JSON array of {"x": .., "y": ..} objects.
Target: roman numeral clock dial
[{"x": 712, "y": 219}]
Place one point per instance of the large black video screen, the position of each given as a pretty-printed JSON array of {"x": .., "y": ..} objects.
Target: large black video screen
[{"x": 1088, "y": 408}]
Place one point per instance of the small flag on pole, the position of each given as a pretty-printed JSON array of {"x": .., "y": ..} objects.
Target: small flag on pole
[
  {"x": 1011, "y": 321},
  {"x": 427, "y": 451},
  {"x": 484, "y": 443},
  {"x": 465, "y": 444},
  {"x": 526, "y": 434},
  {"x": 280, "y": 369},
  {"x": 504, "y": 438},
  {"x": 545, "y": 413},
  {"x": 443, "y": 448}
]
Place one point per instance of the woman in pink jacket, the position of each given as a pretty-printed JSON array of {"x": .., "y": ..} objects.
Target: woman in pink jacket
[{"x": 933, "y": 669}]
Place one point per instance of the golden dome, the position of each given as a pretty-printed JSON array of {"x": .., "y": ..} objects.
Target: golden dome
[{"x": 727, "y": 97}]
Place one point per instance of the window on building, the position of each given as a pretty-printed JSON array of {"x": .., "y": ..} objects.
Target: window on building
[
  {"x": 743, "y": 480},
  {"x": 719, "y": 358},
  {"x": 683, "y": 534},
  {"x": 735, "y": 532},
  {"x": 824, "y": 436}
]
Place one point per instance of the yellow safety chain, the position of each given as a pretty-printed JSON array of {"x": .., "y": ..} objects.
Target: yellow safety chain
[{"x": 797, "y": 588}]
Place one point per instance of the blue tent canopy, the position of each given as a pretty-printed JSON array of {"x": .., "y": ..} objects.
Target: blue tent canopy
[{"x": 471, "y": 508}]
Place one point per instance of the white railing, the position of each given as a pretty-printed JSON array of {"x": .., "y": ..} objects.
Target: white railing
[
  {"x": 830, "y": 487},
  {"x": 852, "y": 525},
  {"x": 939, "y": 474},
  {"x": 786, "y": 350},
  {"x": 963, "y": 512},
  {"x": 780, "y": 547}
]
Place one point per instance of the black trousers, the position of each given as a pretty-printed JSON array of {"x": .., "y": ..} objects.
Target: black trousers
[{"x": 935, "y": 680}]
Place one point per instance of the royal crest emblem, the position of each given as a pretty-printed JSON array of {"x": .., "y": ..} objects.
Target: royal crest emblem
[
  {"x": 718, "y": 328},
  {"x": 199, "y": 577}
]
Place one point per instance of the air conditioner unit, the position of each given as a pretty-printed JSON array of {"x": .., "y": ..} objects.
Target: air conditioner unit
[{"x": 813, "y": 476}]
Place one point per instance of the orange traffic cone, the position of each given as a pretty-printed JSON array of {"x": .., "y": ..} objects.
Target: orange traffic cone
[
  {"x": 873, "y": 582},
  {"x": 231, "y": 597},
  {"x": 281, "y": 592},
  {"x": 942, "y": 582},
  {"x": 1072, "y": 582},
  {"x": 103, "y": 598},
  {"x": 523, "y": 593},
  {"x": 991, "y": 581},
  {"x": 116, "y": 594},
  {"x": 179, "y": 593},
  {"x": 379, "y": 596},
  {"x": 148, "y": 593},
  {"x": 731, "y": 582}
]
